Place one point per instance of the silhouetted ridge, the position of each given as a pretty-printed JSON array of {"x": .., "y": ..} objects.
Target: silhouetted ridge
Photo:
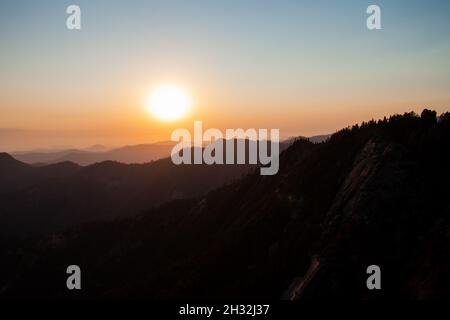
[
  {"x": 8, "y": 165},
  {"x": 48, "y": 198},
  {"x": 7, "y": 159}
]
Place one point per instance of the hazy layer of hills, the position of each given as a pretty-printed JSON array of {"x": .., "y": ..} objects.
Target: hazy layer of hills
[
  {"x": 142, "y": 153},
  {"x": 376, "y": 193},
  {"x": 129, "y": 154}
]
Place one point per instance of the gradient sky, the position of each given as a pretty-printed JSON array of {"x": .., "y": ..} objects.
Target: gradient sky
[{"x": 306, "y": 67}]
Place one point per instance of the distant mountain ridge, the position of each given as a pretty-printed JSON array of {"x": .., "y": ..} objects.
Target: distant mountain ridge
[
  {"x": 133, "y": 154},
  {"x": 313, "y": 139},
  {"x": 128, "y": 154}
]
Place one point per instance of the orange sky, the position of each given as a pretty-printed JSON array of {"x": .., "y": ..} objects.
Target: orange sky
[{"x": 290, "y": 65}]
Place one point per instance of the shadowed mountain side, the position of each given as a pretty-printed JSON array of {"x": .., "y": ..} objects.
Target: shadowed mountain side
[
  {"x": 43, "y": 199},
  {"x": 372, "y": 194}
]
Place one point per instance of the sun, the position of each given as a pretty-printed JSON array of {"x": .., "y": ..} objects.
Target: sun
[{"x": 169, "y": 102}]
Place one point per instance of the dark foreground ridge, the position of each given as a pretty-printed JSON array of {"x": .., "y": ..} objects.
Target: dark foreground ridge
[
  {"x": 377, "y": 193},
  {"x": 37, "y": 200}
]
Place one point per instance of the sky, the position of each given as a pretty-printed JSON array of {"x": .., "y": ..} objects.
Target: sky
[{"x": 305, "y": 67}]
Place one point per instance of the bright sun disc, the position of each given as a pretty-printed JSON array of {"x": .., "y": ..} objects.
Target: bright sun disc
[{"x": 169, "y": 103}]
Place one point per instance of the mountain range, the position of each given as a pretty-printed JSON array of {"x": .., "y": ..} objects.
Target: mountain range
[
  {"x": 128, "y": 154},
  {"x": 142, "y": 153},
  {"x": 42, "y": 199},
  {"x": 372, "y": 194}
]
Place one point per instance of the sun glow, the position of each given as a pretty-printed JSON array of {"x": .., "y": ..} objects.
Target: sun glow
[{"x": 169, "y": 103}]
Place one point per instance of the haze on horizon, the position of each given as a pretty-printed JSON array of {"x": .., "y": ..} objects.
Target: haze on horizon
[{"x": 305, "y": 67}]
